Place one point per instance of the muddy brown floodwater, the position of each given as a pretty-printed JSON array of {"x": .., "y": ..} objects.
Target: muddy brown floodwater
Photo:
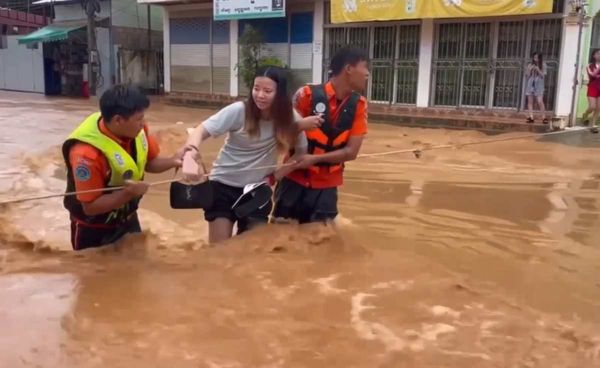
[{"x": 485, "y": 256}]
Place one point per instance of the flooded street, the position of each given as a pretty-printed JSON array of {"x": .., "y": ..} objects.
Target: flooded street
[{"x": 483, "y": 256}]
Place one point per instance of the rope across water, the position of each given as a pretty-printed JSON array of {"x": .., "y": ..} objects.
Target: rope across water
[{"x": 417, "y": 152}]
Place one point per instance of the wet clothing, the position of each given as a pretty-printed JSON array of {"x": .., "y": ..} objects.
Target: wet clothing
[
  {"x": 224, "y": 197},
  {"x": 304, "y": 105},
  {"x": 87, "y": 149},
  {"x": 84, "y": 236},
  {"x": 303, "y": 204},
  {"x": 87, "y": 156},
  {"x": 334, "y": 132},
  {"x": 241, "y": 151},
  {"x": 310, "y": 195}
]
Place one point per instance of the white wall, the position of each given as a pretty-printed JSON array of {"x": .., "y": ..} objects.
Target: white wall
[
  {"x": 21, "y": 69},
  {"x": 566, "y": 71},
  {"x": 233, "y": 58},
  {"x": 135, "y": 69},
  {"x": 425, "y": 61},
  {"x": 166, "y": 52},
  {"x": 317, "y": 45}
]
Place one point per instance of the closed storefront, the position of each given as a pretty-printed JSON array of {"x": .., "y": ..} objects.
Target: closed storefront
[
  {"x": 199, "y": 53},
  {"x": 482, "y": 64}
]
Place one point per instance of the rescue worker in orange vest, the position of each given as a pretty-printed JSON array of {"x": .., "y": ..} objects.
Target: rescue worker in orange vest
[
  {"x": 309, "y": 192},
  {"x": 110, "y": 148}
]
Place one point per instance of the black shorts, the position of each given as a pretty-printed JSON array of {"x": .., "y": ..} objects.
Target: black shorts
[
  {"x": 87, "y": 236},
  {"x": 296, "y": 202},
  {"x": 224, "y": 196}
]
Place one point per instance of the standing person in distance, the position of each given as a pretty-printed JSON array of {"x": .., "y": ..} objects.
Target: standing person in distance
[
  {"x": 593, "y": 92},
  {"x": 536, "y": 74}
]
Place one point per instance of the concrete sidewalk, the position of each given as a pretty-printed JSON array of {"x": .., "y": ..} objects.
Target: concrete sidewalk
[{"x": 433, "y": 117}]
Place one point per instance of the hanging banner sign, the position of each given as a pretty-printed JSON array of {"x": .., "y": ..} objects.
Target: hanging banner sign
[
  {"x": 343, "y": 11},
  {"x": 248, "y": 9}
]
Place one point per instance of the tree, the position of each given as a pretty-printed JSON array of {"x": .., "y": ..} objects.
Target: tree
[{"x": 251, "y": 47}]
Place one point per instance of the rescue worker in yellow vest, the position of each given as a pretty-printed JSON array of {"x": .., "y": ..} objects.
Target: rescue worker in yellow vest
[
  {"x": 111, "y": 148},
  {"x": 309, "y": 192}
]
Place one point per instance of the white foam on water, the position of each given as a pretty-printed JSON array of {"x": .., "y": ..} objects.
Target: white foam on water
[
  {"x": 8, "y": 173},
  {"x": 220, "y": 364},
  {"x": 557, "y": 200},
  {"x": 279, "y": 293},
  {"x": 429, "y": 333},
  {"x": 372, "y": 331},
  {"x": 340, "y": 220},
  {"x": 325, "y": 285},
  {"x": 554, "y": 217},
  {"x": 401, "y": 285},
  {"x": 486, "y": 326},
  {"x": 465, "y": 354},
  {"x": 27, "y": 220},
  {"x": 171, "y": 233},
  {"x": 440, "y": 310},
  {"x": 414, "y": 340},
  {"x": 432, "y": 331}
]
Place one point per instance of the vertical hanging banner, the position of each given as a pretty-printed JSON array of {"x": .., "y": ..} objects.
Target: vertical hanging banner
[
  {"x": 344, "y": 11},
  {"x": 248, "y": 9}
]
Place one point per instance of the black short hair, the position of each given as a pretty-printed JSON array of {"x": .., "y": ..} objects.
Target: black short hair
[
  {"x": 347, "y": 56},
  {"x": 123, "y": 100}
]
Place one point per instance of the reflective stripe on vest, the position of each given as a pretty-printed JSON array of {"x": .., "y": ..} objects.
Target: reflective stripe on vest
[{"x": 122, "y": 165}]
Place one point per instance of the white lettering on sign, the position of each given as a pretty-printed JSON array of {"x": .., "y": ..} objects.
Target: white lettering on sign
[{"x": 241, "y": 9}]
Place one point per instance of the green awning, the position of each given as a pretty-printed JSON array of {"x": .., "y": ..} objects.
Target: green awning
[{"x": 52, "y": 32}]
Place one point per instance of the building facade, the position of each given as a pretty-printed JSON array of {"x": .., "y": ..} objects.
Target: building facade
[
  {"x": 21, "y": 69},
  {"x": 128, "y": 35},
  {"x": 201, "y": 54},
  {"x": 468, "y": 63},
  {"x": 128, "y": 45}
]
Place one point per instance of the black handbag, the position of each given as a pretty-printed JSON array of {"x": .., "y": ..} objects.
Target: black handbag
[{"x": 191, "y": 196}]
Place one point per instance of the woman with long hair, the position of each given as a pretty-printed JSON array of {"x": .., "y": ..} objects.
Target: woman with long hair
[
  {"x": 536, "y": 73},
  {"x": 258, "y": 131},
  {"x": 593, "y": 92}
]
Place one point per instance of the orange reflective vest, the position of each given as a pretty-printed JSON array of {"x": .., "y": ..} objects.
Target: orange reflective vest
[{"x": 335, "y": 130}]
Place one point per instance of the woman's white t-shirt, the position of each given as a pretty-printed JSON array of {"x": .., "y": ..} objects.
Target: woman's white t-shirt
[{"x": 241, "y": 151}]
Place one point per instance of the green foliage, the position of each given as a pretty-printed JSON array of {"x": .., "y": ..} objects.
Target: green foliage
[{"x": 251, "y": 47}]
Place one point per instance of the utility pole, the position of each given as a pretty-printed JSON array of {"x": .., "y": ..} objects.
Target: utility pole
[
  {"x": 91, "y": 7},
  {"x": 149, "y": 28},
  {"x": 111, "y": 44}
]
